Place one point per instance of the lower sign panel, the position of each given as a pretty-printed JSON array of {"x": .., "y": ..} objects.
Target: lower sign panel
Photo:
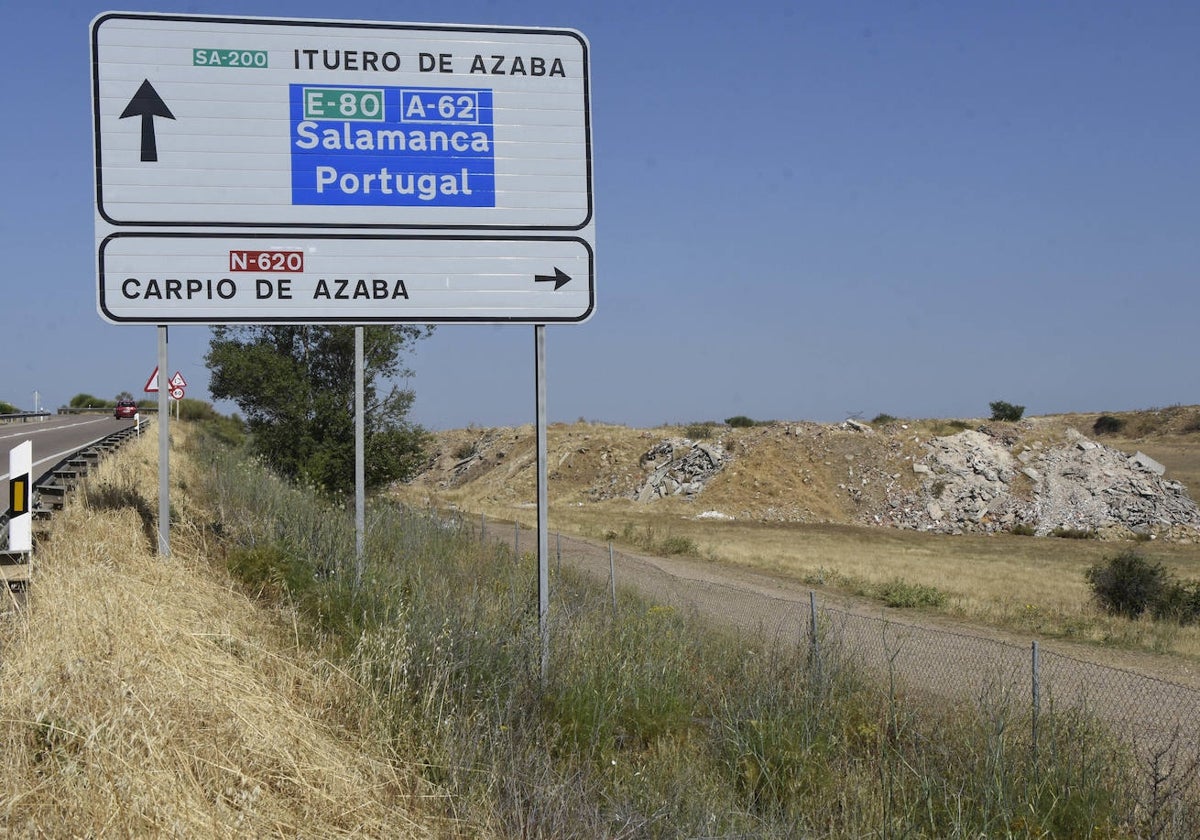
[{"x": 212, "y": 279}]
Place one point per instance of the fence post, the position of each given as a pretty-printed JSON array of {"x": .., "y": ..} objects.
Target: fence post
[
  {"x": 558, "y": 551},
  {"x": 516, "y": 540},
  {"x": 1035, "y": 691},
  {"x": 814, "y": 659},
  {"x": 612, "y": 577},
  {"x": 482, "y": 527},
  {"x": 812, "y": 622}
]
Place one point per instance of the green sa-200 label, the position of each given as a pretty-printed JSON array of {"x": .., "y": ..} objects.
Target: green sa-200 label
[{"x": 228, "y": 58}]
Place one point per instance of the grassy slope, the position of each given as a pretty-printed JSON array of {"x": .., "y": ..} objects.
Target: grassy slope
[{"x": 144, "y": 697}]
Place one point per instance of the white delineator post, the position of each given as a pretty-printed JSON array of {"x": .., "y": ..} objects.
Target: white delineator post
[{"x": 20, "y": 489}]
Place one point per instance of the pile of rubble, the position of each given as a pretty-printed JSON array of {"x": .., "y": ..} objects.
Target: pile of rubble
[
  {"x": 679, "y": 467},
  {"x": 972, "y": 482}
]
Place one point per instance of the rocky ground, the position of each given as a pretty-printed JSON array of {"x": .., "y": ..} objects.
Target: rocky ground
[{"x": 1041, "y": 475}]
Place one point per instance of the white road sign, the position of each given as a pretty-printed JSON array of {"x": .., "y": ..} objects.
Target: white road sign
[
  {"x": 454, "y": 161},
  {"x": 221, "y": 278}
]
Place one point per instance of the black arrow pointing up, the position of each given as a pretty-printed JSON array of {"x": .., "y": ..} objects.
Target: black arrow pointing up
[
  {"x": 147, "y": 104},
  {"x": 559, "y": 278}
]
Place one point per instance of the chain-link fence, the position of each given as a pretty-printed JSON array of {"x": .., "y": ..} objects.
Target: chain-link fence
[{"x": 1157, "y": 719}]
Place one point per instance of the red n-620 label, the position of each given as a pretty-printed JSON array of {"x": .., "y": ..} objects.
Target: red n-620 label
[{"x": 279, "y": 262}]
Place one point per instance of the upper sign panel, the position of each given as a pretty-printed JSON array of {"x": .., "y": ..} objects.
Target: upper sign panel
[{"x": 241, "y": 122}]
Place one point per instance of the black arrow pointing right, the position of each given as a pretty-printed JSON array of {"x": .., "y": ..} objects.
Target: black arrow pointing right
[
  {"x": 147, "y": 104},
  {"x": 559, "y": 278}
]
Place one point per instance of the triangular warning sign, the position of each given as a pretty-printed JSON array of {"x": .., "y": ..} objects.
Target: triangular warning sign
[{"x": 152, "y": 382}]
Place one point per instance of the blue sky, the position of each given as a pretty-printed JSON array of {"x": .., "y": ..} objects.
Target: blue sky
[{"x": 803, "y": 211}]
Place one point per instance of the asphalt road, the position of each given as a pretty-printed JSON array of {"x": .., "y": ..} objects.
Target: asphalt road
[{"x": 55, "y": 437}]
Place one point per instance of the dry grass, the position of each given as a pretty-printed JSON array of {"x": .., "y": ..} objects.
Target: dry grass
[{"x": 144, "y": 697}]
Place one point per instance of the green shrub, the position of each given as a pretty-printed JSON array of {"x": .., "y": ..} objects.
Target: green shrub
[
  {"x": 678, "y": 545},
  {"x": 740, "y": 422},
  {"x": 1002, "y": 410},
  {"x": 89, "y": 401},
  {"x": 1180, "y": 603},
  {"x": 901, "y": 593},
  {"x": 1129, "y": 584},
  {"x": 698, "y": 431},
  {"x": 8, "y": 408},
  {"x": 948, "y": 427},
  {"x": 882, "y": 419},
  {"x": 229, "y": 431},
  {"x": 1022, "y": 529},
  {"x": 1106, "y": 424},
  {"x": 196, "y": 410},
  {"x": 1073, "y": 533},
  {"x": 271, "y": 571}
]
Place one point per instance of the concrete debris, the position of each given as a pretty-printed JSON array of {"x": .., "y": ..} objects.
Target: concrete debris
[
  {"x": 974, "y": 484},
  {"x": 1144, "y": 461},
  {"x": 679, "y": 467},
  {"x": 857, "y": 426}
]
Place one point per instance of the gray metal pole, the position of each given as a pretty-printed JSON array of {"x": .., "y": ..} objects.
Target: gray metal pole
[
  {"x": 164, "y": 447},
  {"x": 360, "y": 472},
  {"x": 543, "y": 547}
]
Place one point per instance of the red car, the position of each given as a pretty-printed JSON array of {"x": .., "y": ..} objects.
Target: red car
[{"x": 125, "y": 409}]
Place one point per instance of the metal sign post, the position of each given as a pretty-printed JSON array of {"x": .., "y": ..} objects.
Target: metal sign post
[
  {"x": 164, "y": 447},
  {"x": 360, "y": 471},
  {"x": 543, "y": 551}
]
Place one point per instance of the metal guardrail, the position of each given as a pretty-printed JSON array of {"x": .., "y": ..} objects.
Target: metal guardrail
[
  {"x": 24, "y": 416},
  {"x": 50, "y": 490},
  {"x": 142, "y": 409}
]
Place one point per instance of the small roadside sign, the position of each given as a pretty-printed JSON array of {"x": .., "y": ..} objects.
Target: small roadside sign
[
  {"x": 177, "y": 381},
  {"x": 152, "y": 383}
]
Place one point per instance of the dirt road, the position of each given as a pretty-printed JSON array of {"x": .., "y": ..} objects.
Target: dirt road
[{"x": 1151, "y": 701}]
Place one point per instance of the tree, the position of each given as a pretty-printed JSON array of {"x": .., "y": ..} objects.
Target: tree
[
  {"x": 8, "y": 408},
  {"x": 124, "y": 395},
  {"x": 1002, "y": 410},
  {"x": 295, "y": 385},
  {"x": 88, "y": 401}
]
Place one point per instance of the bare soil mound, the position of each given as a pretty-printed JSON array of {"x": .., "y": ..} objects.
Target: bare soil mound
[{"x": 1043, "y": 474}]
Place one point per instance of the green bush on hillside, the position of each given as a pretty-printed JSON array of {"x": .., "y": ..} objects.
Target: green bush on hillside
[
  {"x": 89, "y": 401},
  {"x": 1002, "y": 410},
  {"x": 1106, "y": 424}
]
